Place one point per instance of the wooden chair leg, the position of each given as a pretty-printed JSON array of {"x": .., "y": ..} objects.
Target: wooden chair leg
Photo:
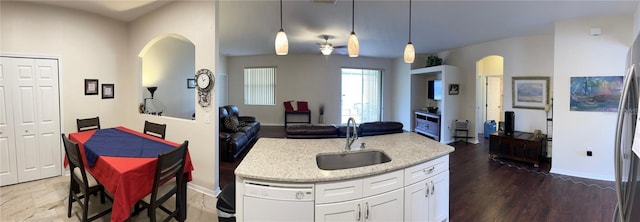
[
  {"x": 70, "y": 202},
  {"x": 102, "y": 195},
  {"x": 85, "y": 209}
]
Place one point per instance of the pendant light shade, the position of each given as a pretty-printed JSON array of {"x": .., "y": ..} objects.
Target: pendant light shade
[
  {"x": 353, "y": 46},
  {"x": 282, "y": 43},
  {"x": 409, "y": 53},
  {"x": 409, "y": 50}
]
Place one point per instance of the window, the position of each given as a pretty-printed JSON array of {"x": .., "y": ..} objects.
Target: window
[
  {"x": 361, "y": 95},
  {"x": 260, "y": 86}
]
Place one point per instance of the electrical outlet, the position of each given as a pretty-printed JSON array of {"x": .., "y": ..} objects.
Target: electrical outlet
[{"x": 589, "y": 153}]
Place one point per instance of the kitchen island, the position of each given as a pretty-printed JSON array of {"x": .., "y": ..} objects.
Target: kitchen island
[{"x": 279, "y": 179}]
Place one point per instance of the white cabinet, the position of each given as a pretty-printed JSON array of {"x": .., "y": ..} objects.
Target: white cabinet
[
  {"x": 29, "y": 120},
  {"x": 376, "y": 198},
  {"x": 428, "y": 189}
]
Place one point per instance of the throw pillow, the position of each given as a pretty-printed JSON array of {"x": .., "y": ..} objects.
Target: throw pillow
[{"x": 231, "y": 123}]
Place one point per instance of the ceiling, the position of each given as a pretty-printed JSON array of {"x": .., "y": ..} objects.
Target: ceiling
[{"x": 248, "y": 27}]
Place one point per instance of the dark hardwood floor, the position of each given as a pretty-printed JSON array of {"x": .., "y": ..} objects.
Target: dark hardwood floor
[{"x": 502, "y": 190}]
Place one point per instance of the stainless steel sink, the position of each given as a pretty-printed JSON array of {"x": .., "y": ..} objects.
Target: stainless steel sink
[{"x": 339, "y": 161}]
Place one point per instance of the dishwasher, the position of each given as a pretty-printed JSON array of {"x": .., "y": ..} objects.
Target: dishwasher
[{"x": 278, "y": 202}]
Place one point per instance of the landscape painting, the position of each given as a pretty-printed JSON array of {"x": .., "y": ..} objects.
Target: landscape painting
[
  {"x": 530, "y": 92},
  {"x": 595, "y": 93}
]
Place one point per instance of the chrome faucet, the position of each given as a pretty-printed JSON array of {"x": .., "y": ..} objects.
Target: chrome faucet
[{"x": 351, "y": 138}]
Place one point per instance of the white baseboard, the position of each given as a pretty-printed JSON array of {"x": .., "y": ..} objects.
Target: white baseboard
[
  {"x": 581, "y": 174},
  {"x": 203, "y": 190}
]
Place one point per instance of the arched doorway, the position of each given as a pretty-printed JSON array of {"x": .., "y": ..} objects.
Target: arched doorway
[
  {"x": 168, "y": 62},
  {"x": 489, "y": 82}
]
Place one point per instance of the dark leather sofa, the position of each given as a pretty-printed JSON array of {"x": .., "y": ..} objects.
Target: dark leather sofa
[
  {"x": 234, "y": 143},
  {"x": 331, "y": 131}
]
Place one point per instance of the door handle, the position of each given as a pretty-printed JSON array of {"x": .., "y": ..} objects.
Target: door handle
[
  {"x": 366, "y": 213},
  {"x": 433, "y": 188},
  {"x": 618, "y": 140},
  {"x": 426, "y": 194},
  {"x": 359, "y": 213}
]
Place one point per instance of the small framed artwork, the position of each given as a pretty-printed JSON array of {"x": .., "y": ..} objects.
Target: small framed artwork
[
  {"x": 107, "y": 91},
  {"x": 191, "y": 83},
  {"x": 454, "y": 89},
  {"x": 530, "y": 92},
  {"x": 90, "y": 86}
]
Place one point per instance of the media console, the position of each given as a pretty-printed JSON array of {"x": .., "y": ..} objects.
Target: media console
[
  {"x": 428, "y": 124},
  {"x": 520, "y": 146}
]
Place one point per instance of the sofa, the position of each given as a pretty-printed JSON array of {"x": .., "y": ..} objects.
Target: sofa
[
  {"x": 331, "y": 131},
  {"x": 237, "y": 133}
]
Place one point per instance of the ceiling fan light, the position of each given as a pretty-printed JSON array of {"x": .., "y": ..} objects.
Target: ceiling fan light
[
  {"x": 326, "y": 50},
  {"x": 282, "y": 43},
  {"x": 353, "y": 47},
  {"x": 409, "y": 53}
]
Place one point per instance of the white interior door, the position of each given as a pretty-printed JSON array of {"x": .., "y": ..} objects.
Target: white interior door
[
  {"x": 36, "y": 116},
  {"x": 494, "y": 98},
  {"x": 8, "y": 171},
  {"x": 48, "y": 117}
]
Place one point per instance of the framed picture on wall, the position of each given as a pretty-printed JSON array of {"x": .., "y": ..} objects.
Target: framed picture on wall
[
  {"x": 191, "y": 83},
  {"x": 530, "y": 92},
  {"x": 107, "y": 91},
  {"x": 91, "y": 87},
  {"x": 454, "y": 89}
]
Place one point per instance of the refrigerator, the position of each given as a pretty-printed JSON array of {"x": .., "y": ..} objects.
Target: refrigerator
[{"x": 627, "y": 142}]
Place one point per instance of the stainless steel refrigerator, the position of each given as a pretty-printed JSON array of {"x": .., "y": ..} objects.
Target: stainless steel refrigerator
[{"x": 627, "y": 155}]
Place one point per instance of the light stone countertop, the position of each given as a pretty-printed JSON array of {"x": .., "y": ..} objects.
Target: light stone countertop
[{"x": 294, "y": 160}]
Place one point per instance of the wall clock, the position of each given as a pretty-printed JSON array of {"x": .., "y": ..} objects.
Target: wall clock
[{"x": 204, "y": 82}]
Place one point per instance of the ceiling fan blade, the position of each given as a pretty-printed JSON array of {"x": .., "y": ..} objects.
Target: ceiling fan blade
[{"x": 340, "y": 46}]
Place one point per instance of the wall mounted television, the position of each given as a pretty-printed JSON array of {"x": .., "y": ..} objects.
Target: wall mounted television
[{"x": 434, "y": 90}]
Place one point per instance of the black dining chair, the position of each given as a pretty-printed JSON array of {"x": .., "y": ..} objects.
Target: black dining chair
[
  {"x": 168, "y": 181},
  {"x": 82, "y": 184},
  {"x": 155, "y": 129},
  {"x": 88, "y": 124}
]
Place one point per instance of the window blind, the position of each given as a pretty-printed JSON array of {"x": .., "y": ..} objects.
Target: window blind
[{"x": 260, "y": 86}]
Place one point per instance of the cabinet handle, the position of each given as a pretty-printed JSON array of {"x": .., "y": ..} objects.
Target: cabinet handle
[
  {"x": 429, "y": 170},
  {"x": 366, "y": 213},
  {"x": 433, "y": 188},
  {"x": 359, "y": 213},
  {"x": 427, "y": 186}
]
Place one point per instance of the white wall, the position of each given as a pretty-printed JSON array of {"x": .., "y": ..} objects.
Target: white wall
[
  {"x": 579, "y": 54},
  {"x": 636, "y": 21},
  {"x": 89, "y": 47},
  {"x": 195, "y": 20},
  {"x": 312, "y": 78},
  {"x": 401, "y": 93},
  {"x": 523, "y": 56}
]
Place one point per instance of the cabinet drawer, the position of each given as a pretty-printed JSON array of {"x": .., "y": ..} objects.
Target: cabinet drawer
[
  {"x": 425, "y": 170},
  {"x": 382, "y": 183},
  {"x": 338, "y": 191}
]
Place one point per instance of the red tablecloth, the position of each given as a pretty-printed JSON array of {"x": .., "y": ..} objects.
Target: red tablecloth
[{"x": 127, "y": 179}]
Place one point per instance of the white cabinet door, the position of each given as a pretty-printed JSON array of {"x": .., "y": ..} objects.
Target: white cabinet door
[
  {"x": 384, "y": 207},
  {"x": 416, "y": 201},
  {"x": 341, "y": 211},
  {"x": 439, "y": 198}
]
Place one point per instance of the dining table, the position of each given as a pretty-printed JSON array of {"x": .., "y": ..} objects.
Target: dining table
[{"x": 124, "y": 162}]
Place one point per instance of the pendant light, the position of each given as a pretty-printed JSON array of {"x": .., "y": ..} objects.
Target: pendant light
[
  {"x": 409, "y": 50},
  {"x": 353, "y": 47},
  {"x": 282, "y": 43}
]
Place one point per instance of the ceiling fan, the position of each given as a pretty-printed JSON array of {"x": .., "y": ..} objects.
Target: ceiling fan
[{"x": 327, "y": 48}]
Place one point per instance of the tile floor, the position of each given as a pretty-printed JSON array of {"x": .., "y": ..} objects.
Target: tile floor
[{"x": 46, "y": 200}]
